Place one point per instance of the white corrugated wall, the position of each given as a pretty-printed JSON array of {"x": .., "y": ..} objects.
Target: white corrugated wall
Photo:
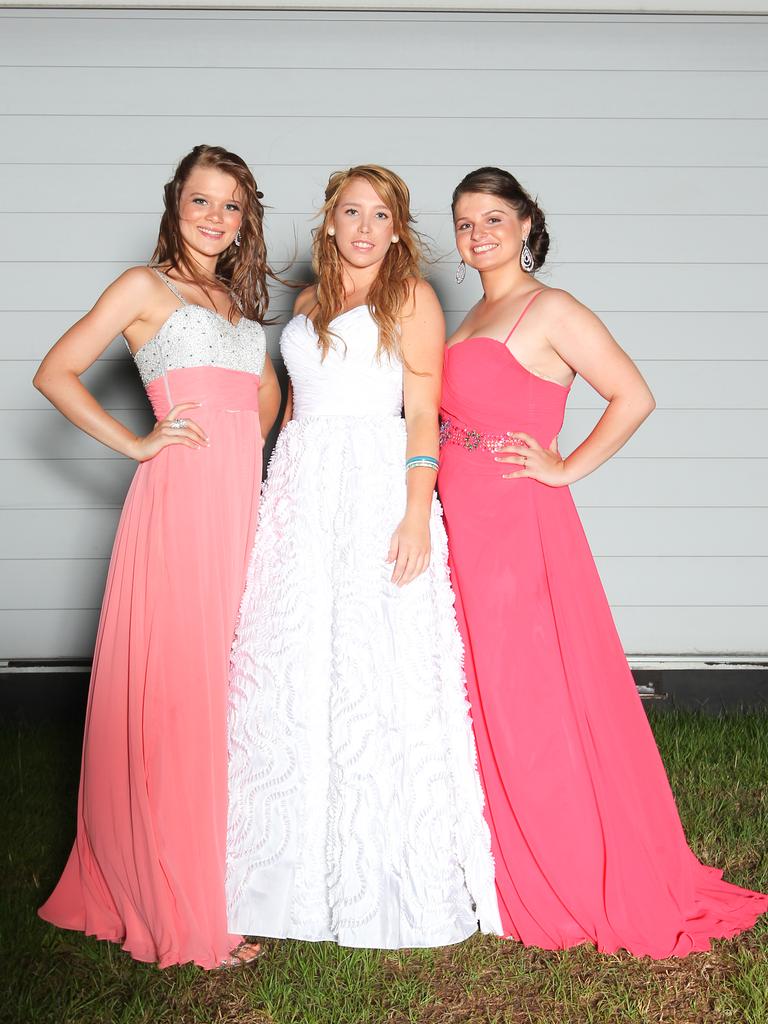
[{"x": 644, "y": 137}]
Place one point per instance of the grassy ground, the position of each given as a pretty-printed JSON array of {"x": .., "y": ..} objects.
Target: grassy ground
[{"x": 718, "y": 771}]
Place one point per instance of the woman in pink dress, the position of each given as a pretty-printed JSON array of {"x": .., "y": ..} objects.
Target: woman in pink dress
[
  {"x": 147, "y": 867},
  {"x": 586, "y": 836}
]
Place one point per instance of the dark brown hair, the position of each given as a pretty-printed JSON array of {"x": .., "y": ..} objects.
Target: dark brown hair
[
  {"x": 401, "y": 265},
  {"x": 495, "y": 181},
  {"x": 242, "y": 269}
]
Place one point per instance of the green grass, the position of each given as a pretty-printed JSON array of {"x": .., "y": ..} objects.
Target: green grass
[{"x": 717, "y": 767}]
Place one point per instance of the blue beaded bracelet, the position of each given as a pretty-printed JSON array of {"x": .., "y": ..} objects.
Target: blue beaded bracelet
[{"x": 422, "y": 460}]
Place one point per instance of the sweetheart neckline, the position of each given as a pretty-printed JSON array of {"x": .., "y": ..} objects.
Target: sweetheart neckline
[
  {"x": 352, "y": 309},
  {"x": 190, "y": 305},
  {"x": 485, "y": 337}
]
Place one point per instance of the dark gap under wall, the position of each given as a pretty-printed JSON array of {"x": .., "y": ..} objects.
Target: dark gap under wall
[{"x": 31, "y": 695}]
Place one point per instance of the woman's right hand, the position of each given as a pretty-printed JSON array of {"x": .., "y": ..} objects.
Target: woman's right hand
[{"x": 191, "y": 434}]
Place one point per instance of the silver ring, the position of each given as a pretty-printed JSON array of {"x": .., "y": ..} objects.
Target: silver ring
[{"x": 177, "y": 424}]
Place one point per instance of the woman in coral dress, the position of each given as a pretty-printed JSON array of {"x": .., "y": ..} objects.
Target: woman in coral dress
[
  {"x": 587, "y": 841},
  {"x": 355, "y": 805},
  {"x": 147, "y": 867}
]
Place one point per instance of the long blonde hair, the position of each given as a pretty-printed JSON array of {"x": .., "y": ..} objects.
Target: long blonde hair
[{"x": 401, "y": 265}]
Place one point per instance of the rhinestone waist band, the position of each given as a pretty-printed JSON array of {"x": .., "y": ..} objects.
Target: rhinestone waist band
[{"x": 452, "y": 433}]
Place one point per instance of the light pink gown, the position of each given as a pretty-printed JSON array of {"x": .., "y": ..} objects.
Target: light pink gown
[
  {"x": 148, "y": 865},
  {"x": 586, "y": 836}
]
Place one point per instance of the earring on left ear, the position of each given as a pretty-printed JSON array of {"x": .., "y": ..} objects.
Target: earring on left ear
[
  {"x": 527, "y": 261},
  {"x": 237, "y": 238},
  {"x": 395, "y": 238}
]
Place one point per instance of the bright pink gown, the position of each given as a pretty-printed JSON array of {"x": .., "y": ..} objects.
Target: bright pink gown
[
  {"x": 148, "y": 864},
  {"x": 586, "y": 835}
]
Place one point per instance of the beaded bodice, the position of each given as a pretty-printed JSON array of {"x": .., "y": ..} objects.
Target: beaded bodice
[{"x": 197, "y": 336}]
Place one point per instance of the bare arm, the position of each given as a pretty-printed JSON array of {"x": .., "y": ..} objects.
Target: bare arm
[
  {"x": 423, "y": 346},
  {"x": 288, "y": 414},
  {"x": 586, "y": 345},
  {"x": 269, "y": 398},
  {"x": 126, "y": 302}
]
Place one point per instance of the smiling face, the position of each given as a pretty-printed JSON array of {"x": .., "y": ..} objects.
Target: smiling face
[
  {"x": 489, "y": 232},
  {"x": 210, "y": 211},
  {"x": 362, "y": 224}
]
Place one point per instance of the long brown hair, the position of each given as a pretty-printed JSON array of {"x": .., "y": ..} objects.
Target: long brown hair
[
  {"x": 401, "y": 265},
  {"x": 242, "y": 269}
]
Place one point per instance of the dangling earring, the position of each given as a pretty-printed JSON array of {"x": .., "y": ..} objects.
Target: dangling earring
[
  {"x": 461, "y": 272},
  {"x": 331, "y": 231},
  {"x": 237, "y": 238},
  {"x": 526, "y": 258}
]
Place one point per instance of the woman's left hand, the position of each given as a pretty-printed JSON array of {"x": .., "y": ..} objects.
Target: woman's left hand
[
  {"x": 409, "y": 549},
  {"x": 542, "y": 464}
]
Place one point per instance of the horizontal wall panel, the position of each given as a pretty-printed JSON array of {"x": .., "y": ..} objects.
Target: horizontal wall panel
[
  {"x": 680, "y": 581},
  {"x": 685, "y": 483},
  {"x": 676, "y": 482},
  {"x": 674, "y": 532},
  {"x": 42, "y": 583},
  {"x": 693, "y": 630},
  {"x": 692, "y": 336},
  {"x": 605, "y": 286},
  {"x": 28, "y": 334},
  {"x": 644, "y": 139},
  {"x": 656, "y": 532},
  {"x": 46, "y": 434},
  {"x": 392, "y": 92},
  {"x": 65, "y": 483},
  {"x": 60, "y": 633},
  {"x": 698, "y": 434},
  {"x": 480, "y": 139},
  {"x": 116, "y": 384},
  {"x": 136, "y": 189},
  {"x": 122, "y": 238},
  {"x": 674, "y": 334},
  {"x": 64, "y": 633},
  {"x": 43, "y": 433},
  {"x": 79, "y": 582},
  {"x": 623, "y": 239},
  {"x": 615, "y": 286},
  {"x": 679, "y": 433},
  {"x": 433, "y": 42},
  {"x": 707, "y": 385},
  {"x": 57, "y": 533}
]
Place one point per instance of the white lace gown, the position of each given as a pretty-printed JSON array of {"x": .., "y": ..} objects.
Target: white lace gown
[{"x": 355, "y": 807}]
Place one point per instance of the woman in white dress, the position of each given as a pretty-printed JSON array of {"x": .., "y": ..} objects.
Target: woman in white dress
[{"x": 355, "y": 808}]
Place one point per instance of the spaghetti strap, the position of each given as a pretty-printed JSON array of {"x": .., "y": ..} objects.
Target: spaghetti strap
[
  {"x": 528, "y": 305},
  {"x": 169, "y": 284}
]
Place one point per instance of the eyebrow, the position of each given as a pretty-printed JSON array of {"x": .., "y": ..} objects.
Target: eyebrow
[
  {"x": 486, "y": 214},
  {"x": 206, "y": 195},
  {"x": 352, "y": 202}
]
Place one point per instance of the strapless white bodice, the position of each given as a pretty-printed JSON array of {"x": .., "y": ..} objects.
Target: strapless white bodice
[
  {"x": 351, "y": 380},
  {"x": 198, "y": 336}
]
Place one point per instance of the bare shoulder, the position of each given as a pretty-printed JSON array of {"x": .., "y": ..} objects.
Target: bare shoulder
[
  {"x": 557, "y": 303},
  {"x": 137, "y": 284},
  {"x": 422, "y": 299},
  {"x": 305, "y": 301}
]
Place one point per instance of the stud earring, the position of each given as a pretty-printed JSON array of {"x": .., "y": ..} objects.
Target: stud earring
[
  {"x": 331, "y": 231},
  {"x": 461, "y": 272},
  {"x": 395, "y": 238},
  {"x": 237, "y": 238},
  {"x": 526, "y": 258}
]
